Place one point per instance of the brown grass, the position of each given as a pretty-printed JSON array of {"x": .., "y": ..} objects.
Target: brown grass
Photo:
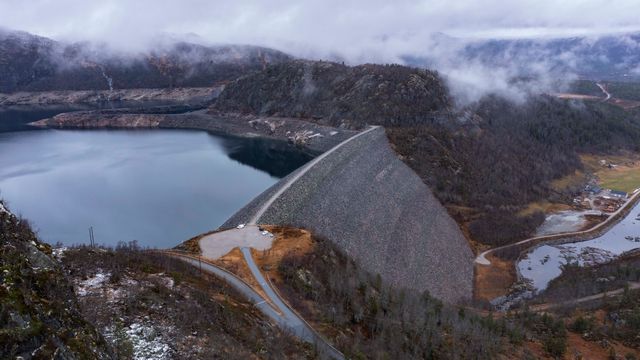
[
  {"x": 494, "y": 280},
  {"x": 543, "y": 206},
  {"x": 625, "y": 176},
  {"x": 287, "y": 240}
]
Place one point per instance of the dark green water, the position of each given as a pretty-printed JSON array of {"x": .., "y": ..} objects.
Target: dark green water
[{"x": 158, "y": 187}]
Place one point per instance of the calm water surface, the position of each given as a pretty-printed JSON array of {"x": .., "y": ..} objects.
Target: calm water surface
[{"x": 158, "y": 187}]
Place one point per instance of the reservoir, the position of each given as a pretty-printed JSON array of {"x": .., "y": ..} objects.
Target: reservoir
[{"x": 158, "y": 187}]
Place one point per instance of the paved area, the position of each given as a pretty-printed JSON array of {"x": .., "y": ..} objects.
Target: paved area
[{"x": 218, "y": 244}]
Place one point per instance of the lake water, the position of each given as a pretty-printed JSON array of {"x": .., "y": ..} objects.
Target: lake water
[
  {"x": 545, "y": 262},
  {"x": 159, "y": 187}
]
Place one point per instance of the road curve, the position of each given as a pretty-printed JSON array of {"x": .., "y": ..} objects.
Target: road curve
[
  {"x": 604, "y": 90},
  {"x": 290, "y": 319},
  {"x": 544, "y": 307},
  {"x": 482, "y": 259},
  {"x": 283, "y": 316},
  {"x": 238, "y": 284},
  {"x": 256, "y": 217}
]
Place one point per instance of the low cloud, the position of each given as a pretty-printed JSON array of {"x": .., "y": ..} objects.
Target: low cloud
[{"x": 352, "y": 31}]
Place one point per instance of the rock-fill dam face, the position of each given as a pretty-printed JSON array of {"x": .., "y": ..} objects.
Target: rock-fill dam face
[{"x": 363, "y": 198}]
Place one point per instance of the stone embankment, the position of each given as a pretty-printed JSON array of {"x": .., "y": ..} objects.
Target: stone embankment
[
  {"x": 66, "y": 97},
  {"x": 376, "y": 209},
  {"x": 313, "y": 137}
]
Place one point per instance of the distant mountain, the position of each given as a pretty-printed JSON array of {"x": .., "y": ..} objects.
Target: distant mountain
[
  {"x": 611, "y": 57},
  {"x": 34, "y": 63},
  {"x": 614, "y": 57}
]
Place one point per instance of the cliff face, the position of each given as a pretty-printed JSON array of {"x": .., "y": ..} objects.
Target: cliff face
[
  {"x": 33, "y": 63},
  {"x": 368, "y": 202},
  {"x": 39, "y": 314},
  {"x": 339, "y": 95}
]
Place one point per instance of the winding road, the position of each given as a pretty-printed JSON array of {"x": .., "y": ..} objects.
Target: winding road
[
  {"x": 245, "y": 289},
  {"x": 482, "y": 259},
  {"x": 273, "y": 306},
  {"x": 548, "y": 306},
  {"x": 604, "y": 90}
]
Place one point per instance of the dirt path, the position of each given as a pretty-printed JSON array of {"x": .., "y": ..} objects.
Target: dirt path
[
  {"x": 604, "y": 90},
  {"x": 482, "y": 258},
  {"x": 267, "y": 301},
  {"x": 544, "y": 307}
]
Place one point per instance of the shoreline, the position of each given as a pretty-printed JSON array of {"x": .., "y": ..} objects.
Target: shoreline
[
  {"x": 79, "y": 97},
  {"x": 308, "y": 135}
]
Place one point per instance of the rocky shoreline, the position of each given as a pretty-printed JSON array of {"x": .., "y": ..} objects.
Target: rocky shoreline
[
  {"x": 313, "y": 137},
  {"x": 66, "y": 97}
]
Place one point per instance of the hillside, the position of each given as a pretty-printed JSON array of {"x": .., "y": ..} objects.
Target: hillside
[
  {"x": 485, "y": 162},
  {"x": 490, "y": 165},
  {"x": 339, "y": 95},
  {"x": 122, "y": 303},
  {"x": 39, "y": 313},
  {"x": 34, "y": 63}
]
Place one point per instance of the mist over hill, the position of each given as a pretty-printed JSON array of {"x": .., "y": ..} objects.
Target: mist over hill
[{"x": 34, "y": 63}]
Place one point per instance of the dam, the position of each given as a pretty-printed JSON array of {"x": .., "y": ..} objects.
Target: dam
[{"x": 363, "y": 198}]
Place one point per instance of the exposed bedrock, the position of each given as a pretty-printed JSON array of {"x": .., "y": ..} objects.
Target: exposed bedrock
[{"x": 367, "y": 201}]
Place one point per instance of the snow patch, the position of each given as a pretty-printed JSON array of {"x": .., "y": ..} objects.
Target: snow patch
[
  {"x": 147, "y": 344},
  {"x": 91, "y": 284},
  {"x": 58, "y": 253}
]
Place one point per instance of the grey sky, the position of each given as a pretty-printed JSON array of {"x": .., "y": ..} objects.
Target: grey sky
[{"x": 360, "y": 30}]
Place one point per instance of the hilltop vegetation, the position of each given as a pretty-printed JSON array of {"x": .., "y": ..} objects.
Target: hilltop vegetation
[
  {"x": 39, "y": 313},
  {"x": 339, "y": 95},
  {"x": 485, "y": 162},
  {"x": 509, "y": 156},
  {"x": 34, "y": 63}
]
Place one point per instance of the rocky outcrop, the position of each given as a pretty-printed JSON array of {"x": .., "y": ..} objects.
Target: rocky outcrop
[
  {"x": 314, "y": 137},
  {"x": 177, "y": 95},
  {"x": 88, "y": 119},
  {"x": 39, "y": 317},
  {"x": 376, "y": 209},
  {"x": 339, "y": 95}
]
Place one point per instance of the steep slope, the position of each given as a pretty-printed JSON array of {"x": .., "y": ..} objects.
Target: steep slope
[
  {"x": 39, "y": 314},
  {"x": 339, "y": 95},
  {"x": 489, "y": 166},
  {"x": 34, "y": 63},
  {"x": 373, "y": 207}
]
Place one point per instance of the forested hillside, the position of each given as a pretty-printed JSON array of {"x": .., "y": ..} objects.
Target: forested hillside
[
  {"x": 485, "y": 161},
  {"x": 339, "y": 95},
  {"x": 507, "y": 156},
  {"x": 34, "y": 63}
]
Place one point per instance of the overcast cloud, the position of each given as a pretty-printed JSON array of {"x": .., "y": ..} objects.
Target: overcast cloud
[
  {"x": 353, "y": 31},
  {"x": 364, "y": 30}
]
